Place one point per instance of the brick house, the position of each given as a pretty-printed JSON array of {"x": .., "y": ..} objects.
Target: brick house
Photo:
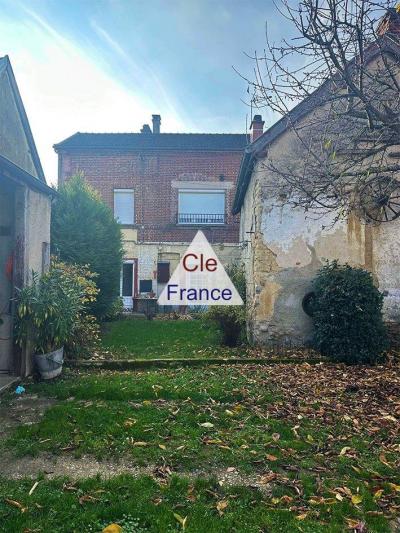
[{"x": 162, "y": 187}]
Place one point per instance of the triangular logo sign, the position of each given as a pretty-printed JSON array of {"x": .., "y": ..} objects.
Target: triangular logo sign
[{"x": 200, "y": 279}]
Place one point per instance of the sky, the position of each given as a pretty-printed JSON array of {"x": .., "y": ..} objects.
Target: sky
[{"x": 108, "y": 65}]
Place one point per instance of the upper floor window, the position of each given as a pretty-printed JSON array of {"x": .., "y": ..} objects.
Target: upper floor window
[
  {"x": 201, "y": 206},
  {"x": 124, "y": 206}
]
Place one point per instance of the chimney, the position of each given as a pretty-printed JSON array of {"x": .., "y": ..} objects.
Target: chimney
[
  {"x": 257, "y": 127},
  {"x": 156, "y": 123},
  {"x": 145, "y": 129},
  {"x": 390, "y": 22}
]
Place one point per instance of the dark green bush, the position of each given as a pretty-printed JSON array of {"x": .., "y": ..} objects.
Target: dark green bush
[
  {"x": 84, "y": 232},
  {"x": 347, "y": 314},
  {"x": 115, "y": 311},
  {"x": 231, "y": 319}
]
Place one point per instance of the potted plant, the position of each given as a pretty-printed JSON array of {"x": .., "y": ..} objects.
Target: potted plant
[{"x": 47, "y": 312}]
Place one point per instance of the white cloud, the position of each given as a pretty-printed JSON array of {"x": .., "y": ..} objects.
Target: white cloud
[{"x": 64, "y": 90}]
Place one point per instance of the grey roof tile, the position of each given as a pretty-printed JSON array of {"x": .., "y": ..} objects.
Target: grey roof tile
[{"x": 158, "y": 141}]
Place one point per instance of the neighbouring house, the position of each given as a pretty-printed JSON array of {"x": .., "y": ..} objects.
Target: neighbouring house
[
  {"x": 163, "y": 188},
  {"x": 25, "y": 205},
  {"x": 283, "y": 247}
]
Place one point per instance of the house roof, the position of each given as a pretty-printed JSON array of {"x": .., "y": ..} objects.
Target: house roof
[
  {"x": 159, "y": 141},
  {"x": 13, "y": 170},
  {"x": 299, "y": 111},
  {"x": 5, "y": 67}
]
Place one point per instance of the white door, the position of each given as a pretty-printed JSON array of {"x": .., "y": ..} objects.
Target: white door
[{"x": 127, "y": 284}]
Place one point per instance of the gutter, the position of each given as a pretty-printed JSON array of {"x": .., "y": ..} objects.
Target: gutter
[{"x": 11, "y": 170}]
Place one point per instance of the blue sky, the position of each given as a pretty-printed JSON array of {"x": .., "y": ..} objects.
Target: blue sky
[{"x": 107, "y": 65}]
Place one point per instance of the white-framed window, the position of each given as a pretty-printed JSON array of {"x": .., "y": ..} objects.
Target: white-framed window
[
  {"x": 201, "y": 206},
  {"x": 124, "y": 206}
]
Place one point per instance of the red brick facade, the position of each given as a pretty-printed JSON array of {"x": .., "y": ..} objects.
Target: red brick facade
[{"x": 150, "y": 174}]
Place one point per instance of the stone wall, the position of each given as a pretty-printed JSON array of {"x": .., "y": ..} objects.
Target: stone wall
[{"x": 283, "y": 248}]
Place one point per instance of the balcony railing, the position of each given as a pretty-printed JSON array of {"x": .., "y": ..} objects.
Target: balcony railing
[{"x": 201, "y": 218}]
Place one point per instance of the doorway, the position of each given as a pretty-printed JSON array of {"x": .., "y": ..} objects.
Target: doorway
[{"x": 127, "y": 283}]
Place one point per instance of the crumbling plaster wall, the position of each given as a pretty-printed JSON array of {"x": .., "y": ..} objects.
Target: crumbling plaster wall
[
  {"x": 285, "y": 249},
  {"x": 386, "y": 266}
]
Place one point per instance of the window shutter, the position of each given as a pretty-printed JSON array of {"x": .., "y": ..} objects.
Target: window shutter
[
  {"x": 163, "y": 272},
  {"x": 124, "y": 206}
]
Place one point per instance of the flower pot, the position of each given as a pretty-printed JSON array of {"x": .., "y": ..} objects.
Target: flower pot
[{"x": 50, "y": 364}]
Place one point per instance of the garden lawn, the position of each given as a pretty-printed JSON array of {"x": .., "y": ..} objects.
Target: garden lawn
[
  {"x": 312, "y": 448},
  {"x": 137, "y": 338}
]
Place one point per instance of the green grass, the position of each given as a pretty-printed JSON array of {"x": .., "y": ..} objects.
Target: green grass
[
  {"x": 136, "y": 338},
  {"x": 143, "y": 505},
  {"x": 207, "y": 419}
]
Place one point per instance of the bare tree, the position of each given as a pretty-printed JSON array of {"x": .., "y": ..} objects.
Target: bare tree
[{"x": 343, "y": 69}]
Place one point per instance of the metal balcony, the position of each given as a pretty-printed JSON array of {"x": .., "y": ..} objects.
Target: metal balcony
[{"x": 200, "y": 218}]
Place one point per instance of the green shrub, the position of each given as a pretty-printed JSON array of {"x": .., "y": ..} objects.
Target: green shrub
[
  {"x": 47, "y": 311},
  {"x": 347, "y": 314},
  {"x": 85, "y": 340},
  {"x": 115, "y": 311},
  {"x": 231, "y": 319},
  {"x": 86, "y": 334},
  {"x": 84, "y": 232}
]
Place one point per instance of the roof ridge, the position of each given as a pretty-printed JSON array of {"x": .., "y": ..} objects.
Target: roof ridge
[{"x": 139, "y": 133}]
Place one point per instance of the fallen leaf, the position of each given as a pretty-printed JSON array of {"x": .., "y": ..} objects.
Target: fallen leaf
[
  {"x": 383, "y": 460},
  {"x": 207, "y": 425},
  {"x": 301, "y": 516},
  {"x": 33, "y": 487},
  {"x": 130, "y": 422},
  {"x": 221, "y": 506},
  {"x": 86, "y": 498},
  {"x": 344, "y": 450},
  {"x": 16, "y": 504},
  {"x": 181, "y": 520},
  {"x": 140, "y": 443},
  {"x": 112, "y": 528},
  {"x": 271, "y": 457},
  {"x": 354, "y": 524},
  {"x": 356, "y": 499}
]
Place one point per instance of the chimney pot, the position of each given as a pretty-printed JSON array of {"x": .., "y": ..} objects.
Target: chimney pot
[
  {"x": 156, "y": 123},
  {"x": 256, "y": 127},
  {"x": 145, "y": 129}
]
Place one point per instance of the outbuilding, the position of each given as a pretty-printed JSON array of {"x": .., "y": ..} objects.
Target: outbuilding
[{"x": 25, "y": 207}]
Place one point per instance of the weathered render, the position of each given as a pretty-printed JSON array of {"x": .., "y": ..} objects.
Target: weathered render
[
  {"x": 283, "y": 247},
  {"x": 25, "y": 205}
]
